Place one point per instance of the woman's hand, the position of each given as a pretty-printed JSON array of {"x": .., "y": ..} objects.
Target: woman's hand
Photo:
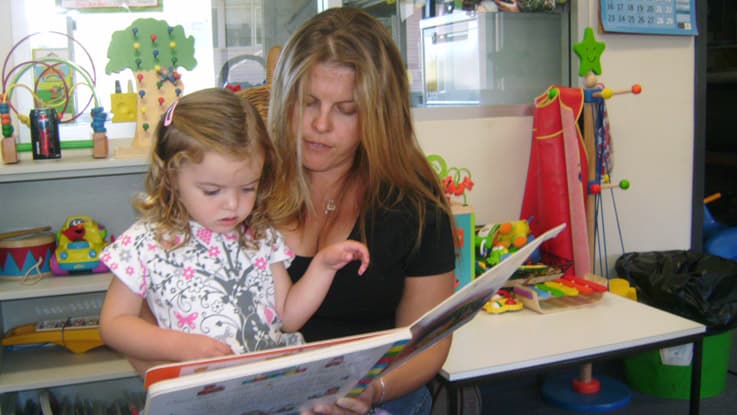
[{"x": 351, "y": 406}]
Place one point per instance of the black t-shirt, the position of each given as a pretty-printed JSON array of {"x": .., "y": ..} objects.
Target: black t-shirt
[{"x": 360, "y": 304}]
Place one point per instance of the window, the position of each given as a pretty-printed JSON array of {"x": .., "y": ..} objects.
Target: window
[{"x": 454, "y": 57}]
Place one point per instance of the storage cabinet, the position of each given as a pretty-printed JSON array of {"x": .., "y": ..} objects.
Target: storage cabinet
[{"x": 36, "y": 193}]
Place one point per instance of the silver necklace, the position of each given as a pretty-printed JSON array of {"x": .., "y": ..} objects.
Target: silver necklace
[{"x": 330, "y": 206}]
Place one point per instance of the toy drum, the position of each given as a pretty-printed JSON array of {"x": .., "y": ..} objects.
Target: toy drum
[{"x": 27, "y": 255}]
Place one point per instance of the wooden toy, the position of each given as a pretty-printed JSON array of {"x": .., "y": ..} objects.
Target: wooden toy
[
  {"x": 585, "y": 160},
  {"x": 153, "y": 51},
  {"x": 124, "y": 104},
  {"x": 59, "y": 69}
]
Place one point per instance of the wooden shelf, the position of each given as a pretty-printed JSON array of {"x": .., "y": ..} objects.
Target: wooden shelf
[
  {"x": 69, "y": 167},
  {"x": 47, "y": 367},
  {"x": 51, "y": 286}
]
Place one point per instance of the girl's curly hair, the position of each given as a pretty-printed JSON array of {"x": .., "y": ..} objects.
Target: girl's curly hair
[{"x": 211, "y": 119}]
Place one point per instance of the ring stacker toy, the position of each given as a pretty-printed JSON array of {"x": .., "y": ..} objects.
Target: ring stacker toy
[{"x": 25, "y": 255}]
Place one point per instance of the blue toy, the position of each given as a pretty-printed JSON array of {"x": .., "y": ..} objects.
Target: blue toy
[{"x": 719, "y": 239}]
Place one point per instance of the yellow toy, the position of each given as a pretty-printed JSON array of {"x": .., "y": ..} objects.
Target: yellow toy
[
  {"x": 501, "y": 302},
  {"x": 78, "y": 334},
  {"x": 123, "y": 104},
  {"x": 513, "y": 234}
]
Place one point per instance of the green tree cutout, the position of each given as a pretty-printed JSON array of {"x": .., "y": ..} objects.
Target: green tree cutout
[{"x": 154, "y": 51}]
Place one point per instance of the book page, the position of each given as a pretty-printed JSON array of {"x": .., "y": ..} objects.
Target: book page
[
  {"x": 173, "y": 370},
  {"x": 463, "y": 305},
  {"x": 283, "y": 385}
]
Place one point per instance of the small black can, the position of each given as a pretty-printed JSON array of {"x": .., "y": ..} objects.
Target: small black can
[{"x": 45, "y": 134}]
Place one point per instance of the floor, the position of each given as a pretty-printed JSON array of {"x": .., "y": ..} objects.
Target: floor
[{"x": 522, "y": 395}]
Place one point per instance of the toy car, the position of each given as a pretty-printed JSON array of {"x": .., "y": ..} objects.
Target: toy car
[{"x": 79, "y": 244}]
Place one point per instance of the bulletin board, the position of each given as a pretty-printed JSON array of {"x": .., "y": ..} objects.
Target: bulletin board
[{"x": 656, "y": 17}]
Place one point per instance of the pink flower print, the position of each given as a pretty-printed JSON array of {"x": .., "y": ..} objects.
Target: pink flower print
[
  {"x": 288, "y": 252},
  {"x": 151, "y": 247},
  {"x": 106, "y": 257},
  {"x": 188, "y": 273},
  {"x": 126, "y": 240},
  {"x": 232, "y": 236},
  {"x": 267, "y": 314},
  {"x": 187, "y": 320},
  {"x": 129, "y": 270},
  {"x": 214, "y": 251},
  {"x": 260, "y": 263},
  {"x": 142, "y": 287},
  {"x": 113, "y": 266},
  {"x": 205, "y": 235}
]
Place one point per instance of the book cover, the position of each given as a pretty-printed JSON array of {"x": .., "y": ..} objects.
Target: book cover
[{"x": 287, "y": 380}]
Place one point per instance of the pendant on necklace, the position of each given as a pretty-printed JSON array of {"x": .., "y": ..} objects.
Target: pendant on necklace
[{"x": 330, "y": 206}]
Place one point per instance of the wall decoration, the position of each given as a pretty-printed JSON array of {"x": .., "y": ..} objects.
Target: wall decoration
[{"x": 655, "y": 17}]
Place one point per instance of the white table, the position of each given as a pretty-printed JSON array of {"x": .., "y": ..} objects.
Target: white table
[{"x": 525, "y": 341}]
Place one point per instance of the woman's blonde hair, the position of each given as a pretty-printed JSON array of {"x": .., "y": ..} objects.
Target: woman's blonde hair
[
  {"x": 206, "y": 120},
  {"x": 389, "y": 164}
]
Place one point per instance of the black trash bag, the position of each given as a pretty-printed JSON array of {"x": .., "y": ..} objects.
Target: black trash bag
[{"x": 696, "y": 286}]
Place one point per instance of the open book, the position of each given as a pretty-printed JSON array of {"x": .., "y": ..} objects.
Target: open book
[{"x": 288, "y": 379}]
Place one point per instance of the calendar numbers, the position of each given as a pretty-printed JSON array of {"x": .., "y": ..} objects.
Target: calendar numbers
[{"x": 669, "y": 17}]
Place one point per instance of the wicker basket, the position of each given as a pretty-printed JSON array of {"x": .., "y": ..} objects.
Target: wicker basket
[{"x": 258, "y": 96}]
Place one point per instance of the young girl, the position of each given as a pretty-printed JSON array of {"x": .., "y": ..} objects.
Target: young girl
[{"x": 203, "y": 255}]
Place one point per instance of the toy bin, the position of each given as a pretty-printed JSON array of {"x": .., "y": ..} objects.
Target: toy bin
[{"x": 646, "y": 372}]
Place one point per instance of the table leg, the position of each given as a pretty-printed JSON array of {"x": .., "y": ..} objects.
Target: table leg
[
  {"x": 695, "y": 398},
  {"x": 452, "y": 398}
]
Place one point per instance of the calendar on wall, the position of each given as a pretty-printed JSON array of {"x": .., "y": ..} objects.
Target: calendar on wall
[{"x": 657, "y": 17}]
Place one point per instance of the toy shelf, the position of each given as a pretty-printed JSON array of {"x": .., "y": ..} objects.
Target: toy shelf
[
  {"x": 51, "y": 286},
  {"x": 54, "y": 366},
  {"x": 69, "y": 166}
]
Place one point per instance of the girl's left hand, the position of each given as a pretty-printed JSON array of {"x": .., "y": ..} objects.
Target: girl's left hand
[{"x": 338, "y": 255}]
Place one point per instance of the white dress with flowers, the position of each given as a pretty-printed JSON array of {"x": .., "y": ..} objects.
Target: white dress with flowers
[{"x": 211, "y": 285}]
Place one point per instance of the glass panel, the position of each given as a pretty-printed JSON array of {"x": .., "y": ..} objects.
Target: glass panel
[
  {"x": 493, "y": 58},
  {"x": 458, "y": 58}
]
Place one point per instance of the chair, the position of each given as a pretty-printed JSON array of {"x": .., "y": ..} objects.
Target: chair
[{"x": 258, "y": 95}]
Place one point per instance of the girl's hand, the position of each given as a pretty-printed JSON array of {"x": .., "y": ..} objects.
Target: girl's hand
[
  {"x": 199, "y": 346},
  {"x": 338, "y": 255}
]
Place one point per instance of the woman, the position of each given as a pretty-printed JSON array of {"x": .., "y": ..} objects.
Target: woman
[{"x": 340, "y": 117}]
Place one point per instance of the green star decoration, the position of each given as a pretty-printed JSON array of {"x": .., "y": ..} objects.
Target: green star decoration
[{"x": 589, "y": 52}]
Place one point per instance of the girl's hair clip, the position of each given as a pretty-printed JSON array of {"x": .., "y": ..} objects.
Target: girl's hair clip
[{"x": 169, "y": 114}]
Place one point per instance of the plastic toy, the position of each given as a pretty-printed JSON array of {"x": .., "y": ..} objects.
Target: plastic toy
[
  {"x": 501, "y": 302},
  {"x": 58, "y": 70},
  {"x": 719, "y": 239},
  {"x": 493, "y": 242},
  {"x": 456, "y": 181},
  {"x": 153, "y": 50},
  {"x": 79, "y": 244},
  {"x": 78, "y": 334}
]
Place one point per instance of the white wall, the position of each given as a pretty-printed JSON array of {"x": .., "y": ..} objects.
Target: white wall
[{"x": 652, "y": 133}]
